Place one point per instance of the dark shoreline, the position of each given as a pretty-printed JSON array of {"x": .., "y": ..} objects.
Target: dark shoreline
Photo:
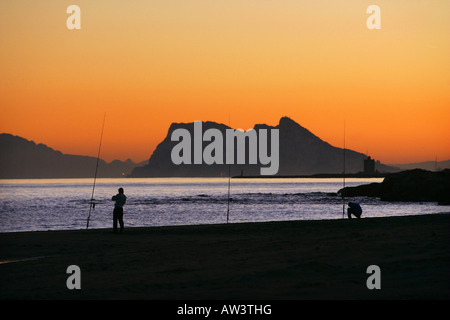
[
  {"x": 319, "y": 259},
  {"x": 318, "y": 175}
]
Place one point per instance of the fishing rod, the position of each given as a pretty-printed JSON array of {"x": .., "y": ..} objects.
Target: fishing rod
[
  {"x": 229, "y": 178},
  {"x": 91, "y": 202},
  {"x": 343, "y": 190},
  {"x": 228, "y": 199}
]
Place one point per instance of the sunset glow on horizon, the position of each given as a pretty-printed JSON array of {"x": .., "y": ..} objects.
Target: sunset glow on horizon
[{"x": 147, "y": 64}]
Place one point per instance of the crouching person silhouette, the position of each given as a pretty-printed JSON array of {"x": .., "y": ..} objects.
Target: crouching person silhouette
[
  {"x": 120, "y": 200},
  {"x": 355, "y": 209}
]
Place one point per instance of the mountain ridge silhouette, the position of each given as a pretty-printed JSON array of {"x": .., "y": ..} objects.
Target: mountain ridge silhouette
[
  {"x": 301, "y": 153},
  {"x": 24, "y": 159}
]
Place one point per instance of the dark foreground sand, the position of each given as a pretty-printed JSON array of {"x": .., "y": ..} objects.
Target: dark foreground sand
[{"x": 275, "y": 260}]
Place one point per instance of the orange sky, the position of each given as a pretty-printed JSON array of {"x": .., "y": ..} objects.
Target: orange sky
[{"x": 150, "y": 63}]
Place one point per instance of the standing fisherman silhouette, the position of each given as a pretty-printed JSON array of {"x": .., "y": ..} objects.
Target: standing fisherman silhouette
[{"x": 120, "y": 200}]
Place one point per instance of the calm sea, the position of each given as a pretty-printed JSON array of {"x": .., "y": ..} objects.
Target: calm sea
[{"x": 57, "y": 204}]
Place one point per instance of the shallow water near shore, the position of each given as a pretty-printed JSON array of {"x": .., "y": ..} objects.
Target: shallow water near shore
[{"x": 62, "y": 204}]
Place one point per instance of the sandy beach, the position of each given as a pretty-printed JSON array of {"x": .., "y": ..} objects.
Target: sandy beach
[{"x": 288, "y": 260}]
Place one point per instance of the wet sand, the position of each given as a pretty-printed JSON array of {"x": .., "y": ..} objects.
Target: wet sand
[{"x": 273, "y": 260}]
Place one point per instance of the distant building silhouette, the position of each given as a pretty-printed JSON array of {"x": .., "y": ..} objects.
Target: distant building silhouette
[{"x": 369, "y": 165}]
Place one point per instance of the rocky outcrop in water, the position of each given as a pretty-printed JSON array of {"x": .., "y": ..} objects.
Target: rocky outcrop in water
[{"x": 412, "y": 185}]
